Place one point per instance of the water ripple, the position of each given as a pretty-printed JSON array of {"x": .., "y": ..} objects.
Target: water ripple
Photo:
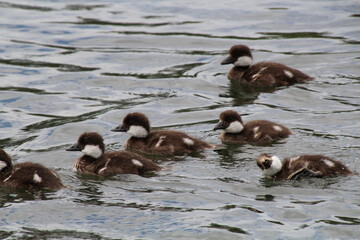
[{"x": 40, "y": 64}]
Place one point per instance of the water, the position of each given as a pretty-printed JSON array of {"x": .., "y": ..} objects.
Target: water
[{"x": 73, "y": 66}]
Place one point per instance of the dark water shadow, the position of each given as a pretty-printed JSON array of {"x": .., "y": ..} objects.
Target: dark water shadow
[
  {"x": 26, "y": 7},
  {"x": 61, "y": 120},
  {"x": 94, "y": 21},
  {"x": 307, "y": 35},
  {"x": 244, "y": 94},
  {"x": 89, "y": 189},
  {"x": 176, "y": 71},
  {"x": 342, "y": 221},
  {"x": 63, "y": 67},
  {"x": 81, "y": 7},
  {"x": 34, "y": 233},
  {"x": 307, "y": 182},
  {"x": 227, "y": 228},
  {"x": 71, "y": 7},
  {"x": 188, "y": 34},
  {"x": 10, "y": 142},
  {"x": 20, "y": 195},
  {"x": 29, "y": 90}
]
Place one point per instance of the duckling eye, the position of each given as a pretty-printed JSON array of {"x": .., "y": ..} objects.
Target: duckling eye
[{"x": 267, "y": 163}]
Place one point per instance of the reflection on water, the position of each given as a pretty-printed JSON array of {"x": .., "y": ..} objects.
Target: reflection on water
[{"x": 70, "y": 68}]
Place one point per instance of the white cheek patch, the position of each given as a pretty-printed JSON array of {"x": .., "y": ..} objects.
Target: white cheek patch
[
  {"x": 92, "y": 151},
  {"x": 2, "y": 165},
  {"x": 275, "y": 167},
  {"x": 277, "y": 128},
  {"x": 138, "y": 131},
  {"x": 234, "y": 127},
  {"x": 288, "y": 73},
  {"x": 328, "y": 162},
  {"x": 137, "y": 163},
  {"x": 188, "y": 141},
  {"x": 243, "y": 61},
  {"x": 37, "y": 178}
]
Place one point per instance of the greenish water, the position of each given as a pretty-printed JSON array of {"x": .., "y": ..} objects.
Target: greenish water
[{"x": 72, "y": 66}]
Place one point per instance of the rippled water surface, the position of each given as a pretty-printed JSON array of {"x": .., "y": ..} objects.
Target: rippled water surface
[{"x": 72, "y": 66}]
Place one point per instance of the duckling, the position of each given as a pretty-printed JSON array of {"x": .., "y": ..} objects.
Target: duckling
[
  {"x": 98, "y": 162},
  {"x": 27, "y": 175},
  {"x": 162, "y": 142},
  {"x": 255, "y": 132},
  {"x": 301, "y": 166},
  {"x": 262, "y": 74}
]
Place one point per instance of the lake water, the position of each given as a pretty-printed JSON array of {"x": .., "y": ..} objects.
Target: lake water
[{"x": 72, "y": 66}]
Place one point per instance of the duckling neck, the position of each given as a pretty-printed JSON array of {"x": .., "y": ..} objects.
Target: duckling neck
[
  {"x": 89, "y": 159},
  {"x": 241, "y": 68}
]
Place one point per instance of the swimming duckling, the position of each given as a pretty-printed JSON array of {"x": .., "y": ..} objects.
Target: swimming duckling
[
  {"x": 161, "y": 142},
  {"x": 96, "y": 161},
  {"x": 27, "y": 175},
  {"x": 262, "y": 74},
  {"x": 300, "y": 166},
  {"x": 256, "y": 131}
]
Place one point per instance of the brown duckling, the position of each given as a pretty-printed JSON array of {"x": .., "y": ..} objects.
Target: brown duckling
[
  {"x": 98, "y": 162},
  {"x": 161, "y": 142},
  {"x": 301, "y": 166},
  {"x": 27, "y": 175},
  {"x": 262, "y": 74},
  {"x": 255, "y": 132}
]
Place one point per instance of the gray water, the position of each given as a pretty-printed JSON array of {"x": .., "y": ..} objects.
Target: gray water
[{"x": 72, "y": 66}]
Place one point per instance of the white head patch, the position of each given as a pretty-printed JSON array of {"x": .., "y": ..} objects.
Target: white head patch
[
  {"x": 234, "y": 127},
  {"x": 92, "y": 151},
  {"x": 188, "y": 141},
  {"x": 243, "y": 61},
  {"x": 137, "y": 163},
  {"x": 37, "y": 178},
  {"x": 138, "y": 131},
  {"x": 275, "y": 167},
  {"x": 2, "y": 165}
]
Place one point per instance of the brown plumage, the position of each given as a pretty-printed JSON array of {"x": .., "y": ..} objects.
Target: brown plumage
[
  {"x": 27, "y": 175},
  {"x": 301, "y": 166},
  {"x": 262, "y": 74},
  {"x": 96, "y": 161},
  {"x": 255, "y": 132},
  {"x": 163, "y": 142}
]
